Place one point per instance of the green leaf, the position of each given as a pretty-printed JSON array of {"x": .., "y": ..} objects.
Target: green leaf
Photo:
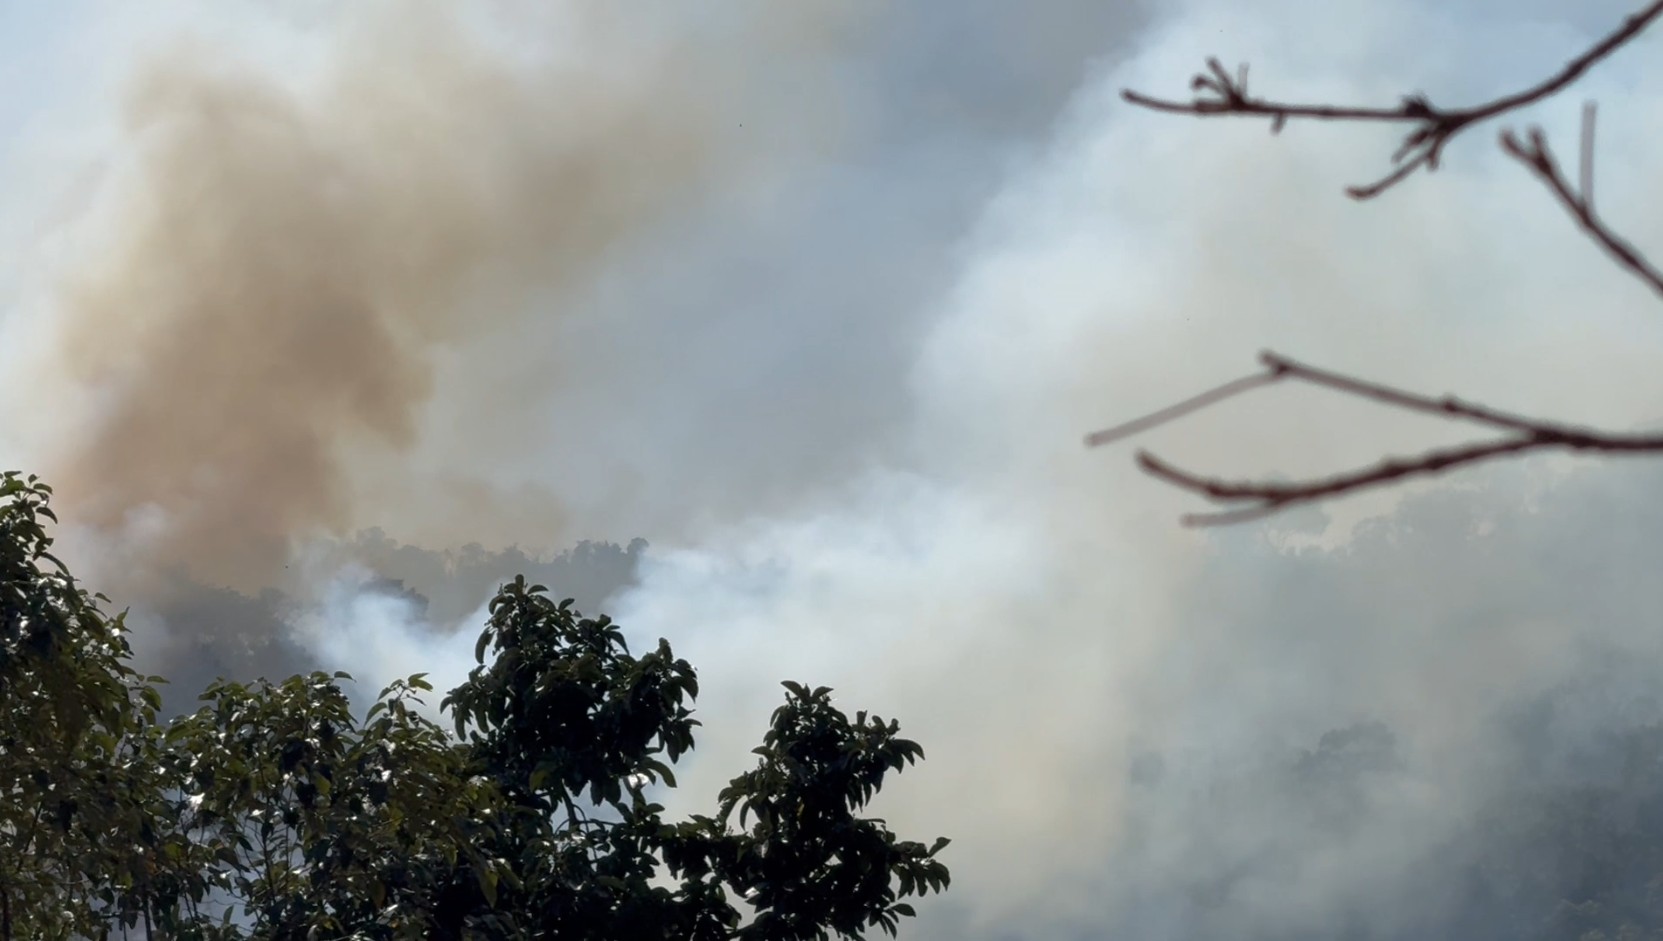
[{"x": 487, "y": 877}]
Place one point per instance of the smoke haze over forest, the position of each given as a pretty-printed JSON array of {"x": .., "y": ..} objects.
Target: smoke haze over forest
[{"x": 323, "y": 323}]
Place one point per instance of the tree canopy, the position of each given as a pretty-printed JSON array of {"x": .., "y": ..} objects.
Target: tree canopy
[{"x": 275, "y": 811}]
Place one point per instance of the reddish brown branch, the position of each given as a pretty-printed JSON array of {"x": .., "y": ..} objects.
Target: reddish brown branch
[
  {"x": 1218, "y": 93},
  {"x": 1267, "y": 498},
  {"x": 1278, "y": 367},
  {"x": 1253, "y": 499},
  {"x": 1535, "y": 155},
  {"x": 1447, "y": 406}
]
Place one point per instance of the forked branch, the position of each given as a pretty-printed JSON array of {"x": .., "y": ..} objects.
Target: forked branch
[
  {"x": 1245, "y": 499},
  {"x": 1535, "y": 154},
  {"x": 1218, "y": 93}
]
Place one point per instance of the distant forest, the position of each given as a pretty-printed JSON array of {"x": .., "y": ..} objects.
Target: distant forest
[{"x": 216, "y": 632}]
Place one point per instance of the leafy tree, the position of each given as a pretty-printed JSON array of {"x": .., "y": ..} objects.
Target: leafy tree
[
  {"x": 76, "y": 727},
  {"x": 274, "y": 812}
]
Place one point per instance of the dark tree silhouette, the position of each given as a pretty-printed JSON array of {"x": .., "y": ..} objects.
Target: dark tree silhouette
[{"x": 275, "y": 811}]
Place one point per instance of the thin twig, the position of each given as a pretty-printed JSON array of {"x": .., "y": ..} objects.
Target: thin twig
[
  {"x": 1423, "y": 146},
  {"x": 1279, "y": 367},
  {"x": 1210, "y": 397},
  {"x": 1538, "y": 158},
  {"x": 1587, "y": 167},
  {"x": 1261, "y": 506},
  {"x": 1447, "y": 406},
  {"x": 1265, "y": 498}
]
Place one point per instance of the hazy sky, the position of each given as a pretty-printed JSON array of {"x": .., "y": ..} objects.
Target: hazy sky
[{"x": 820, "y": 299}]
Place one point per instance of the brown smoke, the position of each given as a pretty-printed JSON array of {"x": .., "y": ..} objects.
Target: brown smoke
[{"x": 285, "y": 260}]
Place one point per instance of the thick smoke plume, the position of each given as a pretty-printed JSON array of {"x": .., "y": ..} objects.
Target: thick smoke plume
[
  {"x": 492, "y": 273},
  {"x": 840, "y": 383},
  {"x": 283, "y": 259}
]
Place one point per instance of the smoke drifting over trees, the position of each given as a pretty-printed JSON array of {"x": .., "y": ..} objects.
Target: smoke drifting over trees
[
  {"x": 818, "y": 298},
  {"x": 286, "y": 259},
  {"x": 195, "y": 632}
]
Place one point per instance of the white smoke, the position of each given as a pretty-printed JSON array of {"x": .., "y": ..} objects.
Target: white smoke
[
  {"x": 1029, "y": 608},
  {"x": 359, "y": 627},
  {"x": 862, "y": 465}
]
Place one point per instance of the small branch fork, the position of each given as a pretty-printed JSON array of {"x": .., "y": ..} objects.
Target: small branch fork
[
  {"x": 1248, "y": 500},
  {"x": 1219, "y": 93},
  {"x": 1534, "y": 153}
]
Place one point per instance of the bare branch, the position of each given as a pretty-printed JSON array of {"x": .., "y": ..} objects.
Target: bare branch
[
  {"x": 1219, "y": 93},
  {"x": 1538, "y": 158},
  {"x": 1435, "y": 127},
  {"x": 1447, "y": 406},
  {"x": 1279, "y": 367},
  {"x": 1230, "y": 389},
  {"x": 1267, "y": 498},
  {"x": 1259, "y": 498}
]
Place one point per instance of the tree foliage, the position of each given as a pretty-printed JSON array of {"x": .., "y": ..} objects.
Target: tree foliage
[{"x": 274, "y": 811}]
